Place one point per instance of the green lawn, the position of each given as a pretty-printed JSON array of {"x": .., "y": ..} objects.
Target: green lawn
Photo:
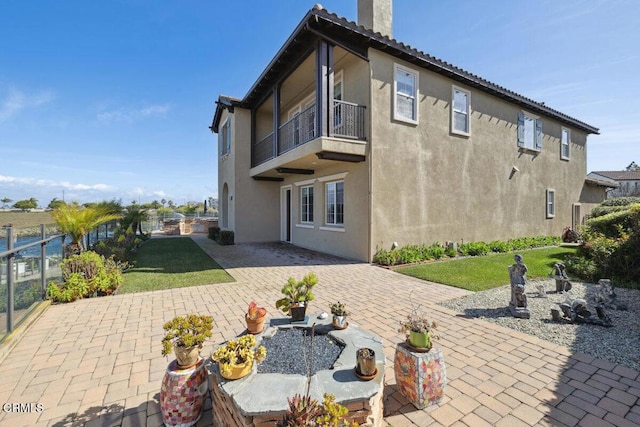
[
  {"x": 490, "y": 271},
  {"x": 171, "y": 263}
]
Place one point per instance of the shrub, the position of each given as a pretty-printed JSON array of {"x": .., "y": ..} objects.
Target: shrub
[
  {"x": 436, "y": 251},
  {"x": 226, "y": 237},
  {"x": 500, "y": 246},
  {"x": 474, "y": 248},
  {"x": 214, "y": 232},
  {"x": 385, "y": 257},
  {"x": 612, "y": 223},
  {"x": 84, "y": 275},
  {"x": 620, "y": 201},
  {"x": 603, "y": 210}
]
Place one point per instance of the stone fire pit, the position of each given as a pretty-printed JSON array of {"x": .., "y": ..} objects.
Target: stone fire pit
[{"x": 260, "y": 399}]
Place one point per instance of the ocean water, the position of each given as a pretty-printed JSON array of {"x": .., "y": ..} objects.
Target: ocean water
[{"x": 54, "y": 247}]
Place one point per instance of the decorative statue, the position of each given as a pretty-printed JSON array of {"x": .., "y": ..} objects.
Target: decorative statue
[
  {"x": 517, "y": 274},
  {"x": 577, "y": 311},
  {"x": 562, "y": 281}
]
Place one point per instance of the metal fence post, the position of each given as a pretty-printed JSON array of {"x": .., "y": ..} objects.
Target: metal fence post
[
  {"x": 10, "y": 279},
  {"x": 43, "y": 262}
]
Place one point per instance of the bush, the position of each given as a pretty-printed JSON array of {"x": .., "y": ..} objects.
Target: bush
[
  {"x": 614, "y": 223},
  {"x": 603, "y": 210},
  {"x": 226, "y": 237},
  {"x": 214, "y": 232},
  {"x": 621, "y": 201},
  {"x": 500, "y": 246},
  {"x": 474, "y": 248},
  {"x": 85, "y": 275}
]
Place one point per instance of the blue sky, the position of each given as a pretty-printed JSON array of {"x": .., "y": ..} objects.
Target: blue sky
[{"x": 113, "y": 99}]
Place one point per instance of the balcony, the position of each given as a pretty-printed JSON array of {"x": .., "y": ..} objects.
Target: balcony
[{"x": 348, "y": 123}]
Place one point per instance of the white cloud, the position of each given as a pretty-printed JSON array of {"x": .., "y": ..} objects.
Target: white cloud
[
  {"x": 16, "y": 101},
  {"x": 33, "y": 182},
  {"x": 130, "y": 115}
]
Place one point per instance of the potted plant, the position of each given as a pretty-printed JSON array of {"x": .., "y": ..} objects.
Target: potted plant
[
  {"x": 186, "y": 335},
  {"x": 366, "y": 363},
  {"x": 302, "y": 411},
  {"x": 340, "y": 314},
  {"x": 255, "y": 317},
  {"x": 235, "y": 358},
  {"x": 296, "y": 296},
  {"x": 418, "y": 330}
]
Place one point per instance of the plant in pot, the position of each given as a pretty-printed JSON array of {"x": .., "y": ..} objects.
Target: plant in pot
[
  {"x": 255, "y": 317},
  {"x": 418, "y": 330},
  {"x": 340, "y": 314},
  {"x": 366, "y": 363},
  {"x": 235, "y": 358},
  {"x": 185, "y": 335},
  {"x": 296, "y": 296}
]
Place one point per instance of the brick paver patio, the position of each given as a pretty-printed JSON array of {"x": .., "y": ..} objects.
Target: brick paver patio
[{"x": 97, "y": 362}]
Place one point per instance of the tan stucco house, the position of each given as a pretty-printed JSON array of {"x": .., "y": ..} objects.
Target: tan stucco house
[{"x": 351, "y": 141}]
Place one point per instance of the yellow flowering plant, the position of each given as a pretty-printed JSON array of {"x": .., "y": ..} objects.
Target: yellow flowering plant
[{"x": 238, "y": 352}]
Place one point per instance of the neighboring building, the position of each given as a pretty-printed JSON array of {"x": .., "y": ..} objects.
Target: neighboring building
[
  {"x": 350, "y": 141},
  {"x": 593, "y": 193},
  {"x": 628, "y": 182}
]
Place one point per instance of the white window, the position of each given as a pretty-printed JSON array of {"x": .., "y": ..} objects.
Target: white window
[
  {"x": 306, "y": 204},
  {"x": 565, "y": 140},
  {"x": 334, "y": 202},
  {"x": 224, "y": 138},
  {"x": 551, "y": 203},
  {"x": 405, "y": 94},
  {"x": 529, "y": 132},
  {"x": 460, "y": 107}
]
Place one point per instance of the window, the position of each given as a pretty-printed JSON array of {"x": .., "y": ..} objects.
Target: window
[
  {"x": 306, "y": 204},
  {"x": 565, "y": 140},
  {"x": 529, "y": 132},
  {"x": 334, "y": 203},
  {"x": 224, "y": 138},
  {"x": 551, "y": 203},
  {"x": 405, "y": 94},
  {"x": 460, "y": 111}
]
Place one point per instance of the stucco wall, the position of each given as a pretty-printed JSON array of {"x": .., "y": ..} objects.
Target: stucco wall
[{"x": 430, "y": 185}]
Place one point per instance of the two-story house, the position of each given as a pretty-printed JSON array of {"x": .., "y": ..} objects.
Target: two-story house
[
  {"x": 351, "y": 141},
  {"x": 628, "y": 182}
]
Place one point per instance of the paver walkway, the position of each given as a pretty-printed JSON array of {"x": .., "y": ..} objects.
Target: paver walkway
[{"x": 97, "y": 362}]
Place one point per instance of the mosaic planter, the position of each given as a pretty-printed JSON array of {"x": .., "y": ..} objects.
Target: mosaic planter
[
  {"x": 420, "y": 375},
  {"x": 182, "y": 394}
]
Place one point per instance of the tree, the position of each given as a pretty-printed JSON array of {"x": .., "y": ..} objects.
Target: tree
[
  {"x": 77, "y": 222},
  {"x": 633, "y": 166},
  {"x": 172, "y": 205},
  {"x": 26, "y": 205},
  {"x": 55, "y": 203},
  {"x": 5, "y": 202},
  {"x": 164, "y": 202}
]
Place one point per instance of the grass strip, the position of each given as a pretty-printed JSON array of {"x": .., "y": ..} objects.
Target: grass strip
[
  {"x": 171, "y": 263},
  {"x": 490, "y": 271}
]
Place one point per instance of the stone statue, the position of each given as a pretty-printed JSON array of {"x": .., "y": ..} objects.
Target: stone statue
[
  {"x": 517, "y": 274},
  {"x": 562, "y": 281},
  {"x": 576, "y": 311}
]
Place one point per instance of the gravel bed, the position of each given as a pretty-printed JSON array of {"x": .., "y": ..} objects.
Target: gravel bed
[
  {"x": 618, "y": 344},
  {"x": 288, "y": 351}
]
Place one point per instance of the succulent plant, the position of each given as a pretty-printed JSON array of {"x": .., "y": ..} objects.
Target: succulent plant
[
  {"x": 186, "y": 331},
  {"x": 254, "y": 312},
  {"x": 339, "y": 309},
  {"x": 237, "y": 352}
]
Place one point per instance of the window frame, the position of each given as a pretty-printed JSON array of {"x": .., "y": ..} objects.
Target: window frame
[
  {"x": 225, "y": 138},
  {"x": 308, "y": 214},
  {"x": 537, "y": 132},
  {"x": 467, "y": 113},
  {"x": 550, "y": 202},
  {"x": 334, "y": 203},
  {"x": 564, "y": 156},
  {"x": 416, "y": 92}
]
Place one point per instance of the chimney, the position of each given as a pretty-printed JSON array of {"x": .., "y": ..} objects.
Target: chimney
[{"x": 376, "y": 15}]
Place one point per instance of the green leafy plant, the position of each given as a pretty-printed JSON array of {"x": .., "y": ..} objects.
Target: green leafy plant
[
  {"x": 297, "y": 292},
  {"x": 186, "y": 331},
  {"x": 214, "y": 233},
  {"x": 339, "y": 309},
  {"x": 77, "y": 221},
  {"x": 226, "y": 237},
  {"x": 417, "y": 322},
  {"x": 238, "y": 352},
  {"x": 304, "y": 411},
  {"x": 333, "y": 414}
]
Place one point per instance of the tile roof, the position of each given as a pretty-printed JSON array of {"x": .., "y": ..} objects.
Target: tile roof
[
  {"x": 620, "y": 175},
  {"x": 319, "y": 22}
]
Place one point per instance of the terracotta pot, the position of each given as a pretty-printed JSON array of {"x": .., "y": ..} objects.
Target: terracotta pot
[
  {"x": 238, "y": 371},
  {"x": 187, "y": 356},
  {"x": 366, "y": 361},
  {"x": 340, "y": 322},
  {"x": 420, "y": 339},
  {"x": 255, "y": 326}
]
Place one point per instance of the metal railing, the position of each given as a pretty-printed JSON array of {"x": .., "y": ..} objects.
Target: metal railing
[
  {"x": 348, "y": 120},
  {"x": 23, "y": 278},
  {"x": 297, "y": 131}
]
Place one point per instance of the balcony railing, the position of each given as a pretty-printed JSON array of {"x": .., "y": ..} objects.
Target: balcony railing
[
  {"x": 348, "y": 122},
  {"x": 300, "y": 129}
]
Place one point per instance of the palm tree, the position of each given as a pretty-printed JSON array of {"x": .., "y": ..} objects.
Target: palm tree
[
  {"x": 6, "y": 201},
  {"x": 77, "y": 222}
]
